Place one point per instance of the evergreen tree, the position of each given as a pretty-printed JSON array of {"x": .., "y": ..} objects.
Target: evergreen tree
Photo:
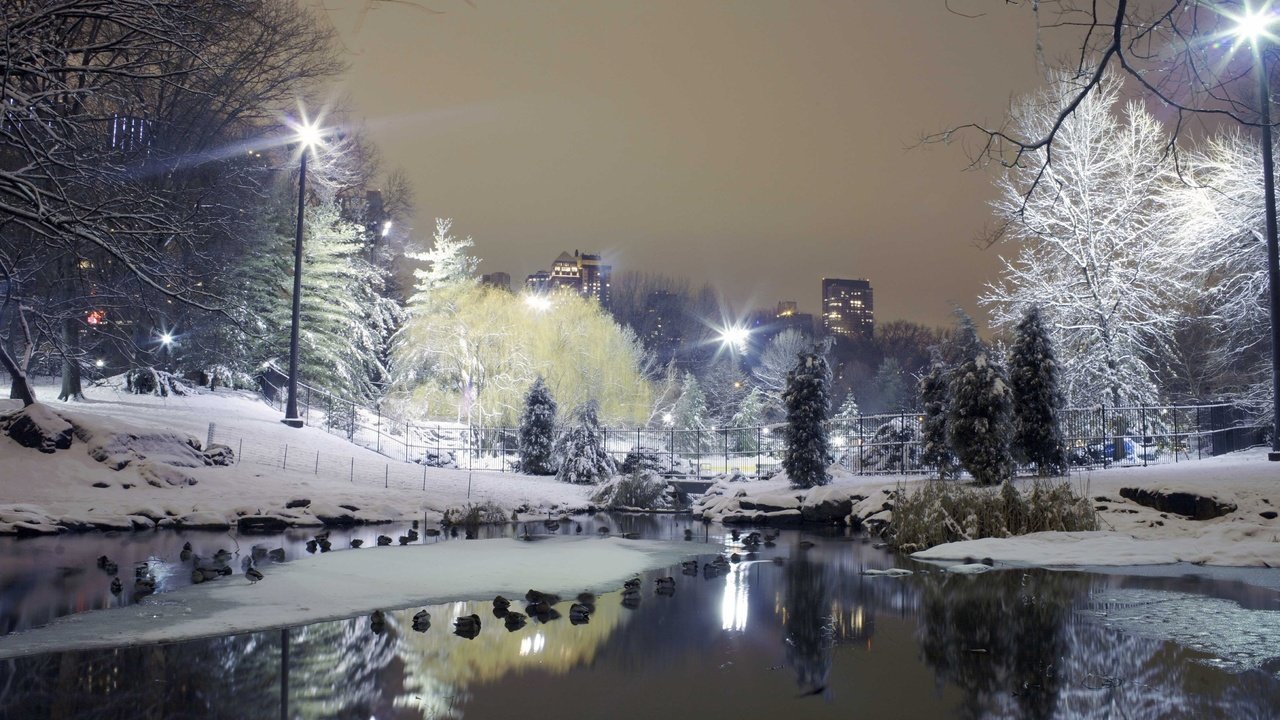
[
  {"x": 581, "y": 453},
  {"x": 807, "y": 400},
  {"x": 890, "y": 387},
  {"x": 933, "y": 429},
  {"x": 690, "y": 414},
  {"x": 846, "y": 422},
  {"x": 1033, "y": 379},
  {"x": 537, "y": 430},
  {"x": 745, "y": 423},
  {"x": 979, "y": 405}
]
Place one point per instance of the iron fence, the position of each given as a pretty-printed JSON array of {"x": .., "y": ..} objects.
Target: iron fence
[{"x": 1096, "y": 437}]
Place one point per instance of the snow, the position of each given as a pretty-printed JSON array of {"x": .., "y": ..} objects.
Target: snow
[
  {"x": 153, "y": 439},
  {"x": 344, "y": 583},
  {"x": 968, "y": 568},
  {"x": 888, "y": 572}
]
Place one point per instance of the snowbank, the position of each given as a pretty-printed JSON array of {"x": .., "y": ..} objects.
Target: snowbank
[
  {"x": 341, "y": 584},
  {"x": 162, "y": 477}
]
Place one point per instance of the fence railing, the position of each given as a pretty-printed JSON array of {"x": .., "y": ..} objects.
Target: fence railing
[{"x": 870, "y": 444}]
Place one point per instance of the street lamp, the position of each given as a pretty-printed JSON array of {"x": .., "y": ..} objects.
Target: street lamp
[
  {"x": 1254, "y": 26},
  {"x": 308, "y": 136},
  {"x": 735, "y": 337}
]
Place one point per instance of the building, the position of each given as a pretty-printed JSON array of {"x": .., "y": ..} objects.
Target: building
[
  {"x": 499, "y": 280},
  {"x": 847, "y": 308},
  {"x": 789, "y": 317},
  {"x": 583, "y": 273}
]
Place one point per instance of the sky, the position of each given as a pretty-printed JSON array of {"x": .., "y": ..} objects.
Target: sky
[{"x": 758, "y": 146}]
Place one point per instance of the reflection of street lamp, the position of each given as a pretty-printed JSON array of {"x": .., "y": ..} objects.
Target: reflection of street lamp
[
  {"x": 1255, "y": 27},
  {"x": 308, "y": 136}
]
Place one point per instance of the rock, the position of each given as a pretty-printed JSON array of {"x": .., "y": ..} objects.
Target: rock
[
  {"x": 769, "y": 503},
  {"x": 219, "y": 454},
  {"x": 828, "y": 504},
  {"x": 37, "y": 426},
  {"x": 1268, "y": 514},
  {"x": 261, "y": 524},
  {"x": 202, "y": 521},
  {"x": 298, "y": 503},
  {"x": 1196, "y": 507}
]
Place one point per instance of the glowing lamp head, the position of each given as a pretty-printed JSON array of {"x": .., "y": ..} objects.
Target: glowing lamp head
[
  {"x": 735, "y": 337},
  {"x": 667, "y": 419},
  {"x": 166, "y": 339},
  {"x": 538, "y": 302},
  {"x": 1253, "y": 25},
  {"x": 99, "y": 362},
  {"x": 308, "y": 135}
]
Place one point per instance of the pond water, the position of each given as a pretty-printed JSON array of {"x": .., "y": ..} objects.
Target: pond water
[{"x": 797, "y": 632}]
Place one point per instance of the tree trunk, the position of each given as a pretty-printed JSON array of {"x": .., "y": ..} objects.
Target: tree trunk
[
  {"x": 19, "y": 386},
  {"x": 71, "y": 388}
]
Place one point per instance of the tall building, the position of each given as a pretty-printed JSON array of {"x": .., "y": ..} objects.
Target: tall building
[
  {"x": 583, "y": 273},
  {"x": 847, "y": 308},
  {"x": 789, "y": 317},
  {"x": 499, "y": 280}
]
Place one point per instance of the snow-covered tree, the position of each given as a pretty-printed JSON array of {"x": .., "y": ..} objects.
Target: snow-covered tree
[
  {"x": 537, "y": 430},
  {"x": 1094, "y": 253},
  {"x": 808, "y": 401},
  {"x": 724, "y": 385},
  {"x": 934, "y": 450},
  {"x": 979, "y": 407},
  {"x": 689, "y": 415},
  {"x": 848, "y": 413},
  {"x": 746, "y": 420},
  {"x": 1218, "y": 221},
  {"x": 581, "y": 453},
  {"x": 777, "y": 359},
  {"x": 445, "y": 263},
  {"x": 889, "y": 388},
  {"x": 1033, "y": 380}
]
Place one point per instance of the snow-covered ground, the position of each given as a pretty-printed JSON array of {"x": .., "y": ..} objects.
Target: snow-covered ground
[
  {"x": 276, "y": 465},
  {"x": 340, "y": 584}
]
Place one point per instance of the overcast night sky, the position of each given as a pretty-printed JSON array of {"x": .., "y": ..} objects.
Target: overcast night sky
[{"x": 758, "y": 146}]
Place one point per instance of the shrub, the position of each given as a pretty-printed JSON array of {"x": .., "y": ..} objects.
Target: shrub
[
  {"x": 485, "y": 513},
  {"x": 637, "y": 491},
  {"x": 941, "y": 512}
]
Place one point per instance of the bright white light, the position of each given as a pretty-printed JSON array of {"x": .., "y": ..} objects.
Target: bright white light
[
  {"x": 667, "y": 419},
  {"x": 386, "y": 228},
  {"x": 308, "y": 134},
  {"x": 537, "y": 301},
  {"x": 166, "y": 339},
  {"x": 99, "y": 363},
  {"x": 733, "y": 604},
  {"x": 735, "y": 337}
]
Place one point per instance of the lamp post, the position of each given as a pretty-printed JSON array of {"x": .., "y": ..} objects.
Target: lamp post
[
  {"x": 1254, "y": 26},
  {"x": 308, "y": 136}
]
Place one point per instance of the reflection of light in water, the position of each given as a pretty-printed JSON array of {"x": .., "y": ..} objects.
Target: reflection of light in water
[
  {"x": 532, "y": 645},
  {"x": 733, "y": 608}
]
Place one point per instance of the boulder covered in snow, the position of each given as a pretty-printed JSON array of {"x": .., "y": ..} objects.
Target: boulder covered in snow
[
  {"x": 829, "y": 504},
  {"x": 38, "y": 426}
]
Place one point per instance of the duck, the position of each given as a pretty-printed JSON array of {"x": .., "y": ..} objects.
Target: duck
[
  {"x": 540, "y": 609},
  {"x": 588, "y": 599},
  {"x": 770, "y": 535},
  {"x": 514, "y": 621},
  {"x": 632, "y": 584},
  {"x": 467, "y": 626},
  {"x": 383, "y": 541},
  {"x": 116, "y": 585},
  {"x": 735, "y": 558},
  {"x": 185, "y": 554},
  {"x": 356, "y": 543},
  {"x": 805, "y": 544},
  {"x": 414, "y": 526},
  {"x": 500, "y": 602},
  {"x": 377, "y": 622},
  {"x": 254, "y": 574},
  {"x": 404, "y": 539},
  {"x": 325, "y": 545},
  {"x": 534, "y": 596},
  {"x": 144, "y": 586},
  {"x": 276, "y": 555},
  {"x": 577, "y": 528},
  {"x": 312, "y": 546},
  {"x": 142, "y": 570},
  {"x": 734, "y": 534},
  {"x": 603, "y": 530},
  {"x": 431, "y": 532},
  {"x": 108, "y": 565},
  {"x": 631, "y": 598},
  {"x": 666, "y": 583},
  {"x": 321, "y": 536},
  {"x": 186, "y": 546},
  {"x": 689, "y": 567},
  {"x": 688, "y": 533},
  {"x": 223, "y": 555},
  {"x": 412, "y": 535},
  {"x": 421, "y": 621},
  {"x": 579, "y": 613}
]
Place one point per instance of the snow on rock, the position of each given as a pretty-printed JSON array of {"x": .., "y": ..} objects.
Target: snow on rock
[
  {"x": 830, "y": 503},
  {"x": 37, "y": 426},
  {"x": 968, "y": 568},
  {"x": 1187, "y": 503},
  {"x": 769, "y": 502},
  {"x": 1220, "y": 545},
  {"x": 202, "y": 520},
  {"x": 341, "y": 584},
  {"x": 774, "y": 501},
  {"x": 888, "y": 572}
]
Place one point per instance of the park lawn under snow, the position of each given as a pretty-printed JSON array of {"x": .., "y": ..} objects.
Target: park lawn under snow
[
  {"x": 344, "y": 583},
  {"x": 40, "y": 492}
]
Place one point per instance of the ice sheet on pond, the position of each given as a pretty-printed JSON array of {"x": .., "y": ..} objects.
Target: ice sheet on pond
[
  {"x": 1236, "y": 638},
  {"x": 349, "y": 582}
]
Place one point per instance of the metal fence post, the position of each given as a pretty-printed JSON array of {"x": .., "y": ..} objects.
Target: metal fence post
[
  {"x": 351, "y": 432},
  {"x": 502, "y": 438},
  {"x": 861, "y": 447},
  {"x": 759, "y": 447},
  {"x": 1144, "y": 435},
  {"x": 306, "y": 413},
  {"x": 1198, "y": 428},
  {"x": 726, "y": 451},
  {"x": 377, "y": 429},
  {"x": 406, "y": 441},
  {"x": 697, "y": 455},
  {"x": 284, "y": 465},
  {"x": 1176, "y": 442},
  {"x": 671, "y": 451}
]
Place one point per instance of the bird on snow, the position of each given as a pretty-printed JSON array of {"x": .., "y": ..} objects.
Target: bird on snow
[
  {"x": 404, "y": 539},
  {"x": 325, "y": 545},
  {"x": 421, "y": 621},
  {"x": 223, "y": 555},
  {"x": 312, "y": 546},
  {"x": 254, "y": 574},
  {"x": 357, "y": 543},
  {"x": 276, "y": 555},
  {"x": 383, "y": 541}
]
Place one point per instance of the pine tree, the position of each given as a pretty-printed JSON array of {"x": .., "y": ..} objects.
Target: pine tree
[
  {"x": 933, "y": 428},
  {"x": 690, "y": 415},
  {"x": 537, "y": 430},
  {"x": 979, "y": 405},
  {"x": 745, "y": 423},
  {"x": 581, "y": 453},
  {"x": 807, "y": 400},
  {"x": 1033, "y": 379},
  {"x": 889, "y": 386}
]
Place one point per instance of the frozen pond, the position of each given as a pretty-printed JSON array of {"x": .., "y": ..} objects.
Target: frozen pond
[{"x": 796, "y": 632}]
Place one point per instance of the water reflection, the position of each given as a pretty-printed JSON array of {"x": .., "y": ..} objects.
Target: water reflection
[{"x": 795, "y": 633}]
